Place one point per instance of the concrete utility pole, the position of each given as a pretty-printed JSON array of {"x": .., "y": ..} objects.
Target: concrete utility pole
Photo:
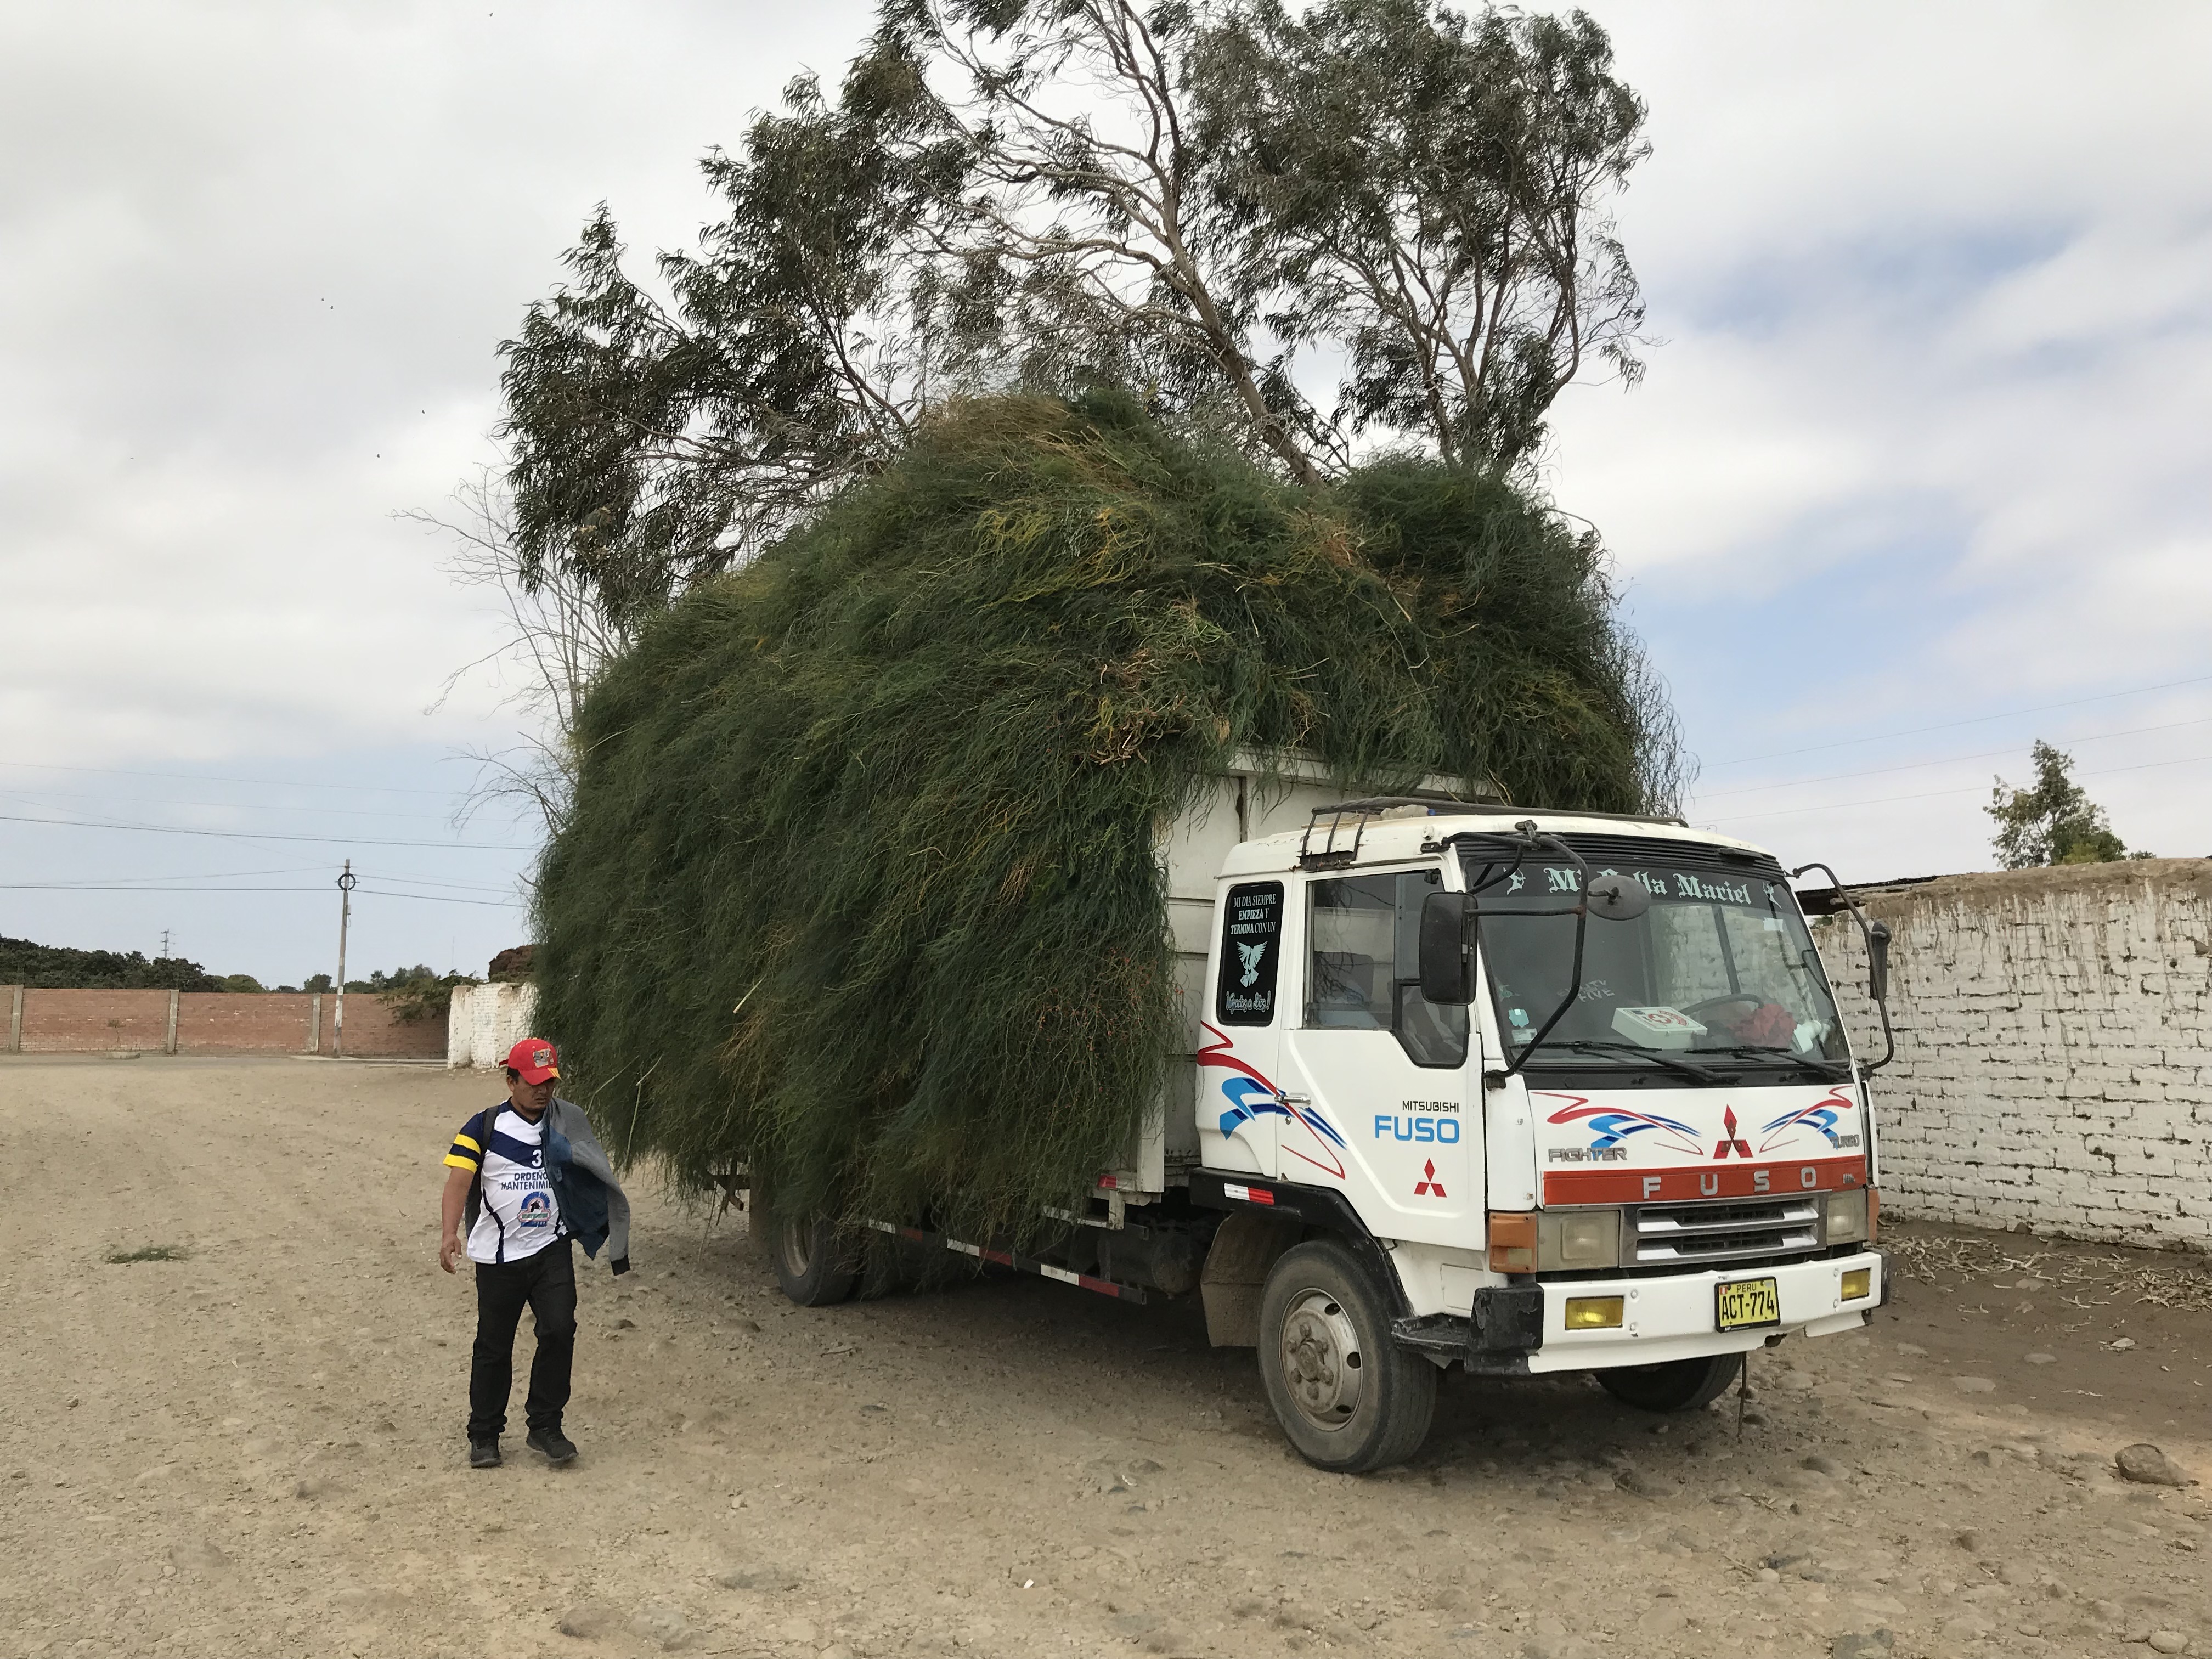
[{"x": 346, "y": 881}]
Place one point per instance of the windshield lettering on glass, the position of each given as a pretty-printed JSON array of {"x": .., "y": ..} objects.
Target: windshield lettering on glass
[
  {"x": 1251, "y": 952},
  {"x": 1717, "y": 981},
  {"x": 1668, "y": 884}
]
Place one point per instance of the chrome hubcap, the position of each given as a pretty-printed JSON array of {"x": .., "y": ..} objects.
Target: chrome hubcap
[{"x": 1321, "y": 1362}]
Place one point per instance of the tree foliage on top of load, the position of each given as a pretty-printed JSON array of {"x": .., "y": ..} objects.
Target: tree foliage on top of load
[{"x": 860, "y": 886}]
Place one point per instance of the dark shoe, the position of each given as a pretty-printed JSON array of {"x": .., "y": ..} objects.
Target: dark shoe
[
  {"x": 484, "y": 1454},
  {"x": 556, "y": 1446}
]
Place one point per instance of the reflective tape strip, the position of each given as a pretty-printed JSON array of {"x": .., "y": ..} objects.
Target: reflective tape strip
[{"x": 1119, "y": 1291}]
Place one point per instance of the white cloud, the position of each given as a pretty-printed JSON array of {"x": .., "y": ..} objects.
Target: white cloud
[
  {"x": 259, "y": 257},
  {"x": 1935, "y": 285},
  {"x": 1925, "y": 439}
]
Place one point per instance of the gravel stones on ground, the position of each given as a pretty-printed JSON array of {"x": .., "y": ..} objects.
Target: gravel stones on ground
[
  {"x": 663, "y": 1625},
  {"x": 758, "y": 1578},
  {"x": 2147, "y": 1465},
  {"x": 1868, "y": 1645},
  {"x": 587, "y": 1620}
]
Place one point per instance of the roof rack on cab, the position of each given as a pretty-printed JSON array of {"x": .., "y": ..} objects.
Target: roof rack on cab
[{"x": 1332, "y": 854}]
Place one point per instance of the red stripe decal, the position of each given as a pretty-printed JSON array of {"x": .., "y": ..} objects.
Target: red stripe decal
[
  {"x": 999, "y": 1256},
  {"x": 1103, "y": 1286}
]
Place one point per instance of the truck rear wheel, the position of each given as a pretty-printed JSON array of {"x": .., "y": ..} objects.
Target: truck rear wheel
[
  {"x": 815, "y": 1266},
  {"x": 1349, "y": 1398},
  {"x": 1680, "y": 1385}
]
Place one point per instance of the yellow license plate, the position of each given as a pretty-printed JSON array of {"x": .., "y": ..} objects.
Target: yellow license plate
[{"x": 1746, "y": 1303}]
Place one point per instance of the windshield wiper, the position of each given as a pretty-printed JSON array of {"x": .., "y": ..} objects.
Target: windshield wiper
[
  {"x": 1652, "y": 1054},
  {"x": 1834, "y": 1070}
]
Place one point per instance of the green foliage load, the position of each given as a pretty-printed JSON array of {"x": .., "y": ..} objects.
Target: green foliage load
[{"x": 859, "y": 888}]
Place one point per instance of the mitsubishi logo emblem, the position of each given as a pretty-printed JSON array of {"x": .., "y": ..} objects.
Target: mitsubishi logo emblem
[
  {"x": 1730, "y": 1141},
  {"x": 1422, "y": 1188}
]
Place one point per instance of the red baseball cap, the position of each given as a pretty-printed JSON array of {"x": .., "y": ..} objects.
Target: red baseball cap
[{"x": 534, "y": 1058}]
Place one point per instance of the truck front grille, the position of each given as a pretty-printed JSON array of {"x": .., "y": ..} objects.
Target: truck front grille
[{"x": 1689, "y": 1234}]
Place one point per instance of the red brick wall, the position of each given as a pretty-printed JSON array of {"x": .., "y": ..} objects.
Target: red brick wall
[
  {"x": 372, "y": 1033},
  {"x": 61, "y": 1022},
  {"x": 215, "y": 1022},
  {"x": 245, "y": 1021}
]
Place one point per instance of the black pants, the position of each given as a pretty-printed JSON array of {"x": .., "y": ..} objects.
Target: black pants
[{"x": 547, "y": 1281}]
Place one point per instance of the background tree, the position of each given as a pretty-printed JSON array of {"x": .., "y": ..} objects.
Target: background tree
[
  {"x": 560, "y": 632},
  {"x": 1429, "y": 194},
  {"x": 1050, "y": 195},
  {"x": 2052, "y": 821},
  {"x": 63, "y": 968},
  {"x": 658, "y": 438}
]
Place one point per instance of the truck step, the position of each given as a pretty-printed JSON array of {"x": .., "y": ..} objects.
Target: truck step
[{"x": 1010, "y": 1259}]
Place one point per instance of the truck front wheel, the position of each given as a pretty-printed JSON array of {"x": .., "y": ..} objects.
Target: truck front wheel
[
  {"x": 814, "y": 1265},
  {"x": 1680, "y": 1385},
  {"x": 1349, "y": 1398}
]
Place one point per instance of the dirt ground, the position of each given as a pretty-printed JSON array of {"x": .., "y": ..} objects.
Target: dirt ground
[{"x": 255, "y": 1447}]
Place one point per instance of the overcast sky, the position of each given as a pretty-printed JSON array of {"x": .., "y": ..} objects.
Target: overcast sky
[{"x": 1918, "y": 473}]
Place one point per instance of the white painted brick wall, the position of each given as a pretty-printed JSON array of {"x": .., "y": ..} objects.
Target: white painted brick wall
[
  {"x": 2054, "y": 1048},
  {"x": 486, "y": 1022}
]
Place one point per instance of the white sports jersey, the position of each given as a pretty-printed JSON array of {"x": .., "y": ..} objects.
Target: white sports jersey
[{"x": 519, "y": 1215}]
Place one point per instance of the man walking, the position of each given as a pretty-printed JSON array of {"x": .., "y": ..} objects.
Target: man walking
[{"x": 524, "y": 1179}]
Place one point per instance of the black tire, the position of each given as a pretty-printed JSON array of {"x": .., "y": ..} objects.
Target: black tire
[
  {"x": 815, "y": 1265},
  {"x": 1349, "y": 1398},
  {"x": 1680, "y": 1385}
]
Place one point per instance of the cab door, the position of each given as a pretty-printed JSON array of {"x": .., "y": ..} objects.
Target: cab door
[
  {"x": 1382, "y": 1099},
  {"x": 1239, "y": 1109}
]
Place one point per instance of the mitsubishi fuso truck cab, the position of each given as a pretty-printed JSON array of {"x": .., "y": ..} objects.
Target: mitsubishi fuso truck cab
[{"x": 1475, "y": 1086}]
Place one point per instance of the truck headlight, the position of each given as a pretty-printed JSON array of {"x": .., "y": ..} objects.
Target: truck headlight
[
  {"x": 1847, "y": 1217},
  {"x": 1570, "y": 1239}
]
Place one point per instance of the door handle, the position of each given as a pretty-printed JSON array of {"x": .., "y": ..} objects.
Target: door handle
[{"x": 1290, "y": 1099}]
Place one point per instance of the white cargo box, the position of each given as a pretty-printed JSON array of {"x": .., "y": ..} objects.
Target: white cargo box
[{"x": 1243, "y": 804}]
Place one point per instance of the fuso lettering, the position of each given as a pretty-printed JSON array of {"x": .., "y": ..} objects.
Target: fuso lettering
[{"x": 1443, "y": 1130}]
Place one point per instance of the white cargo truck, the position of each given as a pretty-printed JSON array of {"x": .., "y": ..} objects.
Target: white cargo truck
[{"x": 1473, "y": 1084}]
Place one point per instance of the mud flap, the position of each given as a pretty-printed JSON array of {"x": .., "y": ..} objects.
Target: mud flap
[{"x": 1244, "y": 1249}]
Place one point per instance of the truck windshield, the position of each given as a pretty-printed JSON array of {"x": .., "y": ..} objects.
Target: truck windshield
[{"x": 1720, "y": 968}]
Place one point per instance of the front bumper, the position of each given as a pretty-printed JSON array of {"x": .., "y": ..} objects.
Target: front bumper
[{"x": 1522, "y": 1328}]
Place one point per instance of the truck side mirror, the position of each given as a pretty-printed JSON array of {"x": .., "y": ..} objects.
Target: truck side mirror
[
  {"x": 1877, "y": 961},
  {"x": 1444, "y": 919}
]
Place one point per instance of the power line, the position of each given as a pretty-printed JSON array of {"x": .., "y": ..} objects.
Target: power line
[
  {"x": 252, "y": 834},
  {"x": 42, "y": 796},
  {"x": 203, "y": 875},
  {"x": 425, "y": 881},
  {"x": 369, "y": 892},
  {"x": 1950, "y": 760},
  {"x": 201, "y": 777},
  {"x": 1931, "y": 794},
  {"x": 1979, "y": 719}
]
